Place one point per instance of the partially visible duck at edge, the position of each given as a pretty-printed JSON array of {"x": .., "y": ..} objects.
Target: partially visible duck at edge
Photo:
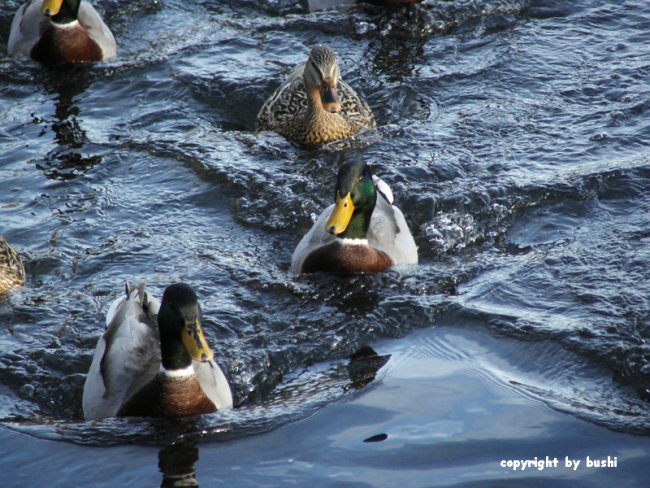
[
  {"x": 60, "y": 31},
  {"x": 361, "y": 232},
  {"x": 12, "y": 271},
  {"x": 153, "y": 360},
  {"x": 313, "y": 105}
]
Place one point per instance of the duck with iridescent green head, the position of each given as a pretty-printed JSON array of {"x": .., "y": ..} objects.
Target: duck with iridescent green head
[
  {"x": 153, "y": 360},
  {"x": 362, "y": 232},
  {"x": 60, "y": 31}
]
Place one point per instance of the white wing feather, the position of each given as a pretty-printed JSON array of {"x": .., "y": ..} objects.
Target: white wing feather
[
  {"x": 97, "y": 29},
  {"x": 214, "y": 383},
  {"x": 127, "y": 355},
  {"x": 25, "y": 29}
]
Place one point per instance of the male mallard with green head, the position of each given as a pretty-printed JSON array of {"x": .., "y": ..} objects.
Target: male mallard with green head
[
  {"x": 147, "y": 370},
  {"x": 313, "y": 105},
  {"x": 60, "y": 31},
  {"x": 361, "y": 232}
]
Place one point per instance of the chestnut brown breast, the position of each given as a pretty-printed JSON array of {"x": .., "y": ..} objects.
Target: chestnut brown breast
[
  {"x": 168, "y": 397},
  {"x": 68, "y": 45},
  {"x": 338, "y": 258}
]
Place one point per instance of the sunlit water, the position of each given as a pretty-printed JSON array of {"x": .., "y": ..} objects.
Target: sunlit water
[{"x": 514, "y": 135}]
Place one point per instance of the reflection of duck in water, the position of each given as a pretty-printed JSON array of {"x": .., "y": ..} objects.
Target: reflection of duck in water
[
  {"x": 12, "y": 272},
  {"x": 362, "y": 232},
  {"x": 67, "y": 159},
  {"x": 60, "y": 31},
  {"x": 178, "y": 465},
  {"x": 313, "y": 105},
  {"x": 143, "y": 369}
]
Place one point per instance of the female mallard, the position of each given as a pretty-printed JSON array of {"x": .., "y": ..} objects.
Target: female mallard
[
  {"x": 314, "y": 105},
  {"x": 12, "y": 272},
  {"x": 361, "y": 232},
  {"x": 60, "y": 31},
  {"x": 140, "y": 369}
]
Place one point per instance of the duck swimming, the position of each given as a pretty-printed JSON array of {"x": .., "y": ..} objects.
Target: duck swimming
[
  {"x": 361, "y": 232},
  {"x": 313, "y": 105},
  {"x": 153, "y": 360},
  {"x": 60, "y": 31},
  {"x": 12, "y": 271}
]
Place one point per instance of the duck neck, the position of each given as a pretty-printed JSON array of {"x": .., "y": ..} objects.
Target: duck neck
[
  {"x": 173, "y": 353},
  {"x": 321, "y": 126},
  {"x": 358, "y": 226},
  {"x": 68, "y": 12},
  {"x": 314, "y": 102}
]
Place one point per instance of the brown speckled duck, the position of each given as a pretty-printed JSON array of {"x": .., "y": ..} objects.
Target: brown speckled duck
[
  {"x": 362, "y": 232},
  {"x": 313, "y": 105},
  {"x": 60, "y": 31},
  {"x": 12, "y": 272}
]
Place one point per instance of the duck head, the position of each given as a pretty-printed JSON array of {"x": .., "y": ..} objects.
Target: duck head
[
  {"x": 355, "y": 201},
  {"x": 179, "y": 322},
  {"x": 321, "y": 77}
]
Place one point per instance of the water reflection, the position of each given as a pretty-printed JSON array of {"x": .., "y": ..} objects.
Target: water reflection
[
  {"x": 355, "y": 295},
  {"x": 177, "y": 463},
  {"x": 396, "y": 57},
  {"x": 395, "y": 60},
  {"x": 66, "y": 161}
]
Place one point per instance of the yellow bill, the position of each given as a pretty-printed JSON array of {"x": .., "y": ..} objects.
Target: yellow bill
[
  {"x": 341, "y": 215},
  {"x": 51, "y": 7},
  {"x": 195, "y": 342}
]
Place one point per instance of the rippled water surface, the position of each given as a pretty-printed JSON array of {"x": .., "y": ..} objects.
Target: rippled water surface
[{"x": 514, "y": 135}]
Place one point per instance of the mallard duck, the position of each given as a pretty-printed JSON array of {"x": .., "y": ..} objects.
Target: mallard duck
[
  {"x": 12, "y": 272},
  {"x": 60, "y": 31},
  {"x": 314, "y": 105},
  {"x": 361, "y": 232},
  {"x": 148, "y": 370}
]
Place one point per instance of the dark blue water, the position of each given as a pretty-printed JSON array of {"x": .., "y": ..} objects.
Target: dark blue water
[{"x": 514, "y": 135}]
